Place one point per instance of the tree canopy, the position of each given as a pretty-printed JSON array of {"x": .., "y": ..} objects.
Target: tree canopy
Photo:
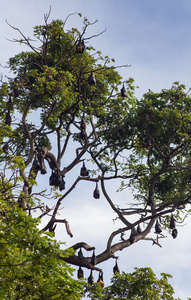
[
  {"x": 140, "y": 284},
  {"x": 63, "y": 96},
  {"x": 31, "y": 267}
]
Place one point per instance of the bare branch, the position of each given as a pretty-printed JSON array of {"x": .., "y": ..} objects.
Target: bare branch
[
  {"x": 82, "y": 245},
  {"x": 25, "y": 39},
  {"x": 95, "y": 35},
  {"x": 46, "y": 16},
  {"x": 69, "y": 16},
  {"x": 73, "y": 259},
  {"x": 120, "y": 215}
]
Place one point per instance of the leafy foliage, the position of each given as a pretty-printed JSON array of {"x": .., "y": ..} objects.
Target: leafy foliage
[
  {"x": 31, "y": 267},
  {"x": 141, "y": 284}
]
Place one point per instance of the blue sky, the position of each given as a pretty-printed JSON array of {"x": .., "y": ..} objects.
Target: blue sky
[{"x": 154, "y": 38}]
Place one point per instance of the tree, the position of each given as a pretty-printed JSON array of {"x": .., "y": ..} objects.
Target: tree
[
  {"x": 78, "y": 96},
  {"x": 30, "y": 265},
  {"x": 141, "y": 284}
]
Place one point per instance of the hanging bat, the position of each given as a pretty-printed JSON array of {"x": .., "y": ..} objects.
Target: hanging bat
[
  {"x": 84, "y": 171},
  {"x": 93, "y": 259},
  {"x": 96, "y": 192},
  {"x": 158, "y": 228},
  {"x": 132, "y": 238},
  {"x": 123, "y": 92},
  {"x": 56, "y": 179},
  {"x": 62, "y": 184},
  {"x": 172, "y": 222},
  {"x": 91, "y": 278},
  {"x": 139, "y": 229},
  {"x": 83, "y": 134},
  {"x": 91, "y": 79},
  {"x": 80, "y": 47},
  {"x": 36, "y": 163},
  {"x": 122, "y": 236},
  {"x": 174, "y": 233},
  {"x": 80, "y": 254},
  {"x": 83, "y": 124},
  {"x": 116, "y": 268},
  {"x": 53, "y": 180},
  {"x": 8, "y": 119},
  {"x": 15, "y": 93},
  {"x": 80, "y": 273},
  {"x": 100, "y": 279},
  {"x": 5, "y": 148}
]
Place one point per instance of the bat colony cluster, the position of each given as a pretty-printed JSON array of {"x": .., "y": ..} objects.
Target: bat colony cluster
[
  {"x": 80, "y": 273},
  {"x": 172, "y": 226},
  {"x": 158, "y": 228},
  {"x": 56, "y": 179}
]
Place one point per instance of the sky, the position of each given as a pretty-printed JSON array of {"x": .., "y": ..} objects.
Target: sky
[{"x": 154, "y": 38}]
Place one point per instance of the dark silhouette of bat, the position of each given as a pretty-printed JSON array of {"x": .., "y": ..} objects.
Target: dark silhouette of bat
[
  {"x": 123, "y": 92},
  {"x": 83, "y": 124},
  {"x": 158, "y": 228},
  {"x": 36, "y": 163},
  {"x": 100, "y": 279},
  {"x": 8, "y": 119},
  {"x": 62, "y": 184},
  {"x": 91, "y": 278},
  {"x": 83, "y": 134},
  {"x": 172, "y": 222},
  {"x": 5, "y": 148},
  {"x": 174, "y": 233},
  {"x": 116, "y": 268},
  {"x": 84, "y": 171},
  {"x": 91, "y": 79},
  {"x": 139, "y": 229},
  {"x": 96, "y": 192},
  {"x": 80, "y": 254},
  {"x": 80, "y": 47},
  {"x": 132, "y": 238},
  {"x": 15, "y": 93},
  {"x": 57, "y": 180},
  {"x": 80, "y": 273},
  {"x": 93, "y": 259}
]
